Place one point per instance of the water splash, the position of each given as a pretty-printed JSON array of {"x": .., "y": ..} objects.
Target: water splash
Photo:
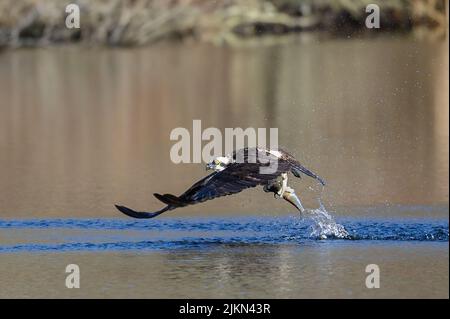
[
  {"x": 60, "y": 235},
  {"x": 324, "y": 226}
]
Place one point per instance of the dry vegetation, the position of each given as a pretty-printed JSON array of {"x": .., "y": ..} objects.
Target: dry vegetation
[{"x": 138, "y": 22}]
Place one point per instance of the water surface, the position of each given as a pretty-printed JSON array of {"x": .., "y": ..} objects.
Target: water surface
[
  {"x": 83, "y": 128},
  {"x": 245, "y": 257}
]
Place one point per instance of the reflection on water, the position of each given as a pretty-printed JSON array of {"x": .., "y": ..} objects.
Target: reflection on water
[
  {"x": 222, "y": 257},
  {"x": 63, "y": 235},
  {"x": 315, "y": 270},
  {"x": 82, "y": 129}
]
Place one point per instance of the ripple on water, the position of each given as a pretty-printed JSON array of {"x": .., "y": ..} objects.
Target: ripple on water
[{"x": 204, "y": 232}]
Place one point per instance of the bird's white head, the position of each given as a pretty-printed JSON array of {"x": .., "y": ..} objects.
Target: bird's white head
[{"x": 218, "y": 164}]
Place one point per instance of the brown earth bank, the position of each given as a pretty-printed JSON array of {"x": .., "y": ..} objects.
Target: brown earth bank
[{"x": 141, "y": 22}]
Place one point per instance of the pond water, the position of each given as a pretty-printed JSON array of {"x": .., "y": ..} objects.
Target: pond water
[{"x": 83, "y": 128}]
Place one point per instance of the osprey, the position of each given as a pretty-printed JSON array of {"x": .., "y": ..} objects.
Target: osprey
[{"x": 245, "y": 168}]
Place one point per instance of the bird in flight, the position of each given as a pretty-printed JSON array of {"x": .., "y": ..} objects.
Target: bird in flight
[{"x": 245, "y": 168}]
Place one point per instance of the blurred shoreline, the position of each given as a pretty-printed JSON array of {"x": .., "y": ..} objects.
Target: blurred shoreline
[{"x": 29, "y": 23}]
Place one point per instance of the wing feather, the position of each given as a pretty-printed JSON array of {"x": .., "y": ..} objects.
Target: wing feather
[
  {"x": 234, "y": 179},
  {"x": 285, "y": 161},
  {"x": 244, "y": 173},
  {"x": 238, "y": 176}
]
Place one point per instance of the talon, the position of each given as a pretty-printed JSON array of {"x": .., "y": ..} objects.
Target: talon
[
  {"x": 289, "y": 190},
  {"x": 284, "y": 186},
  {"x": 280, "y": 192}
]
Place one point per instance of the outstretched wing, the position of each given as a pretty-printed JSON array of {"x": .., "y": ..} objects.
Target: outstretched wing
[
  {"x": 234, "y": 179},
  {"x": 248, "y": 171},
  {"x": 132, "y": 213},
  {"x": 243, "y": 174},
  {"x": 284, "y": 162}
]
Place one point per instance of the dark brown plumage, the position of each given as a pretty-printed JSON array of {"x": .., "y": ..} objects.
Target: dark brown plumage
[{"x": 244, "y": 172}]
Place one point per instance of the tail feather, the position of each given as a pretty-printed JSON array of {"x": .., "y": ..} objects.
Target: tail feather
[
  {"x": 170, "y": 199},
  {"x": 132, "y": 213}
]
